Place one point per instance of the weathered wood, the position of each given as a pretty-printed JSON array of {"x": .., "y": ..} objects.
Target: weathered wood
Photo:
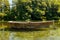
[
  {"x": 18, "y": 24},
  {"x": 41, "y": 24}
]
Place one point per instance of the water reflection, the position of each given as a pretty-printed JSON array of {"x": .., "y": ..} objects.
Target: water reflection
[
  {"x": 31, "y": 34},
  {"x": 11, "y": 37}
]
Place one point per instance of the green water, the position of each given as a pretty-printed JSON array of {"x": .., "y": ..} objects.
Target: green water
[
  {"x": 31, "y": 35},
  {"x": 49, "y": 34}
]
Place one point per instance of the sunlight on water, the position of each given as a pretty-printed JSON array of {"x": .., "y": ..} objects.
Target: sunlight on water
[{"x": 11, "y": 37}]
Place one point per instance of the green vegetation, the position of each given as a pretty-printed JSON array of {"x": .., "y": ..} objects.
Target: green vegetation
[{"x": 32, "y": 10}]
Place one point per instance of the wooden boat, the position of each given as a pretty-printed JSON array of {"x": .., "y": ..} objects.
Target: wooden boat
[{"x": 19, "y": 24}]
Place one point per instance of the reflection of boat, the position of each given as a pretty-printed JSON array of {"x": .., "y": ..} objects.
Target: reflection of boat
[{"x": 18, "y": 24}]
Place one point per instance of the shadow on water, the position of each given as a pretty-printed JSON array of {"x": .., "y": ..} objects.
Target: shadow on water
[{"x": 21, "y": 29}]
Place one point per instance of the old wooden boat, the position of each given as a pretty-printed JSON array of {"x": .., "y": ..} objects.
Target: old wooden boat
[{"x": 39, "y": 24}]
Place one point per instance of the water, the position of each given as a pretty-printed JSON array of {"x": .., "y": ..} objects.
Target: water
[
  {"x": 34, "y": 35},
  {"x": 50, "y": 34},
  {"x": 11, "y": 37}
]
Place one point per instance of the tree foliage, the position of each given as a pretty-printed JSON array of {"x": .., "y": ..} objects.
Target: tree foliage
[{"x": 34, "y": 10}]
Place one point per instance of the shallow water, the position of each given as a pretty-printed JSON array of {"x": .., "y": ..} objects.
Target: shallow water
[
  {"x": 49, "y": 34},
  {"x": 31, "y": 35}
]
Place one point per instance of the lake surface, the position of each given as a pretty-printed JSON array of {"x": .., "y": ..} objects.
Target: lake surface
[
  {"x": 49, "y": 34},
  {"x": 53, "y": 34}
]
